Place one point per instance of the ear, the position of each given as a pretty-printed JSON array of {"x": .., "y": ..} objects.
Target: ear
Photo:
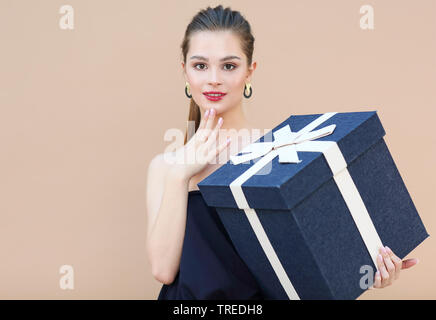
[
  {"x": 250, "y": 71},
  {"x": 184, "y": 71}
]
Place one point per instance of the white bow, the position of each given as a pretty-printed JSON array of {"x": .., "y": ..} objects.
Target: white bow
[{"x": 285, "y": 142}]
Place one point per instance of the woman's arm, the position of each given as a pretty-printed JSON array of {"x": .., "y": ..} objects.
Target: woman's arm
[
  {"x": 167, "y": 196},
  {"x": 167, "y": 193}
]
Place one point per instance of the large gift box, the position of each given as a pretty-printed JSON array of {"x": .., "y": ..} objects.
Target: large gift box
[{"x": 308, "y": 205}]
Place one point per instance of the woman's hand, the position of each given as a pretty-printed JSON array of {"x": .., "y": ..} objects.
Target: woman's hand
[
  {"x": 389, "y": 267},
  {"x": 202, "y": 148}
]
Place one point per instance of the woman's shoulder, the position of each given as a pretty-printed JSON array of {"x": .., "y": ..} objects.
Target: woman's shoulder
[{"x": 163, "y": 161}]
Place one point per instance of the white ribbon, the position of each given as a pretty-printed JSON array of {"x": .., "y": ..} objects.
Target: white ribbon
[{"x": 286, "y": 145}]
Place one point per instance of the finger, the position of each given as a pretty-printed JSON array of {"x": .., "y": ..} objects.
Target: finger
[
  {"x": 209, "y": 123},
  {"x": 206, "y": 130},
  {"x": 383, "y": 272},
  {"x": 210, "y": 119},
  {"x": 202, "y": 154},
  {"x": 389, "y": 264},
  {"x": 214, "y": 134},
  {"x": 397, "y": 262},
  {"x": 221, "y": 147},
  {"x": 203, "y": 120},
  {"x": 406, "y": 264},
  {"x": 377, "y": 280},
  {"x": 203, "y": 132},
  {"x": 201, "y": 135}
]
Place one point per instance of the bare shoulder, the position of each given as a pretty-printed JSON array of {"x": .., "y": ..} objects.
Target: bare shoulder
[
  {"x": 157, "y": 170},
  {"x": 162, "y": 161},
  {"x": 158, "y": 161}
]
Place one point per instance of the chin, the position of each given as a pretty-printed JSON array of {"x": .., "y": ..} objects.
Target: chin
[{"x": 216, "y": 105}]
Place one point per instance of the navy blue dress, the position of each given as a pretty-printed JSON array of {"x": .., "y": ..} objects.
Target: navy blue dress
[{"x": 210, "y": 267}]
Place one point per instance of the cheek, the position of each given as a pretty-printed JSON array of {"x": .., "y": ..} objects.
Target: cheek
[
  {"x": 196, "y": 81},
  {"x": 236, "y": 89},
  {"x": 235, "y": 83},
  {"x": 195, "y": 84}
]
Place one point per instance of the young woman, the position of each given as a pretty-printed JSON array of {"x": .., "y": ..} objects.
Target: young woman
[{"x": 188, "y": 247}]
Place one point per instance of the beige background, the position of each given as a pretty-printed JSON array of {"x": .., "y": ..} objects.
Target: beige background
[{"x": 83, "y": 111}]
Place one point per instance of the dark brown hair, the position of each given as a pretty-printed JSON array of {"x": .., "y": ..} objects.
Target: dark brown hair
[{"x": 217, "y": 19}]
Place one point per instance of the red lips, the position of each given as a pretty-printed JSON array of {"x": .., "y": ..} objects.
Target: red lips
[
  {"x": 214, "y": 95},
  {"x": 214, "y": 92}
]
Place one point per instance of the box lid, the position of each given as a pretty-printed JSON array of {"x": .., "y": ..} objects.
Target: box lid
[{"x": 280, "y": 186}]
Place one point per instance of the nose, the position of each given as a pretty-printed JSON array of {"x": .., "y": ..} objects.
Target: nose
[{"x": 214, "y": 77}]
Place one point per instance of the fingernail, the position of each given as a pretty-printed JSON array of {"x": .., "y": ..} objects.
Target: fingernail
[
  {"x": 206, "y": 113},
  {"x": 212, "y": 112},
  {"x": 388, "y": 249},
  {"x": 220, "y": 120},
  {"x": 380, "y": 257}
]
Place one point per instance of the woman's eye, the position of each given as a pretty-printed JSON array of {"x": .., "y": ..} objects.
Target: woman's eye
[
  {"x": 199, "y": 64},
  {"x": 227, "y": 66}
]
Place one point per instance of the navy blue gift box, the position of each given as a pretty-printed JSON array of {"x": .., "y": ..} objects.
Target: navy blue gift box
[{"x": 313, "y": 203}]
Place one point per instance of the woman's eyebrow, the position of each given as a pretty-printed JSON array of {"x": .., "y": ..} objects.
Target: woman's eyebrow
[{"x": 223, "y": 59}]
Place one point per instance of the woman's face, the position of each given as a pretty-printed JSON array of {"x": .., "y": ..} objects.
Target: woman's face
[{"x": 215, "y": 62}]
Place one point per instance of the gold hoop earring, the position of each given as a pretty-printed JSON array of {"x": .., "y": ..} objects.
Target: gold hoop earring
[
  {"x": 186, "y": 90},
  {"x": 248, "y": 87}
]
